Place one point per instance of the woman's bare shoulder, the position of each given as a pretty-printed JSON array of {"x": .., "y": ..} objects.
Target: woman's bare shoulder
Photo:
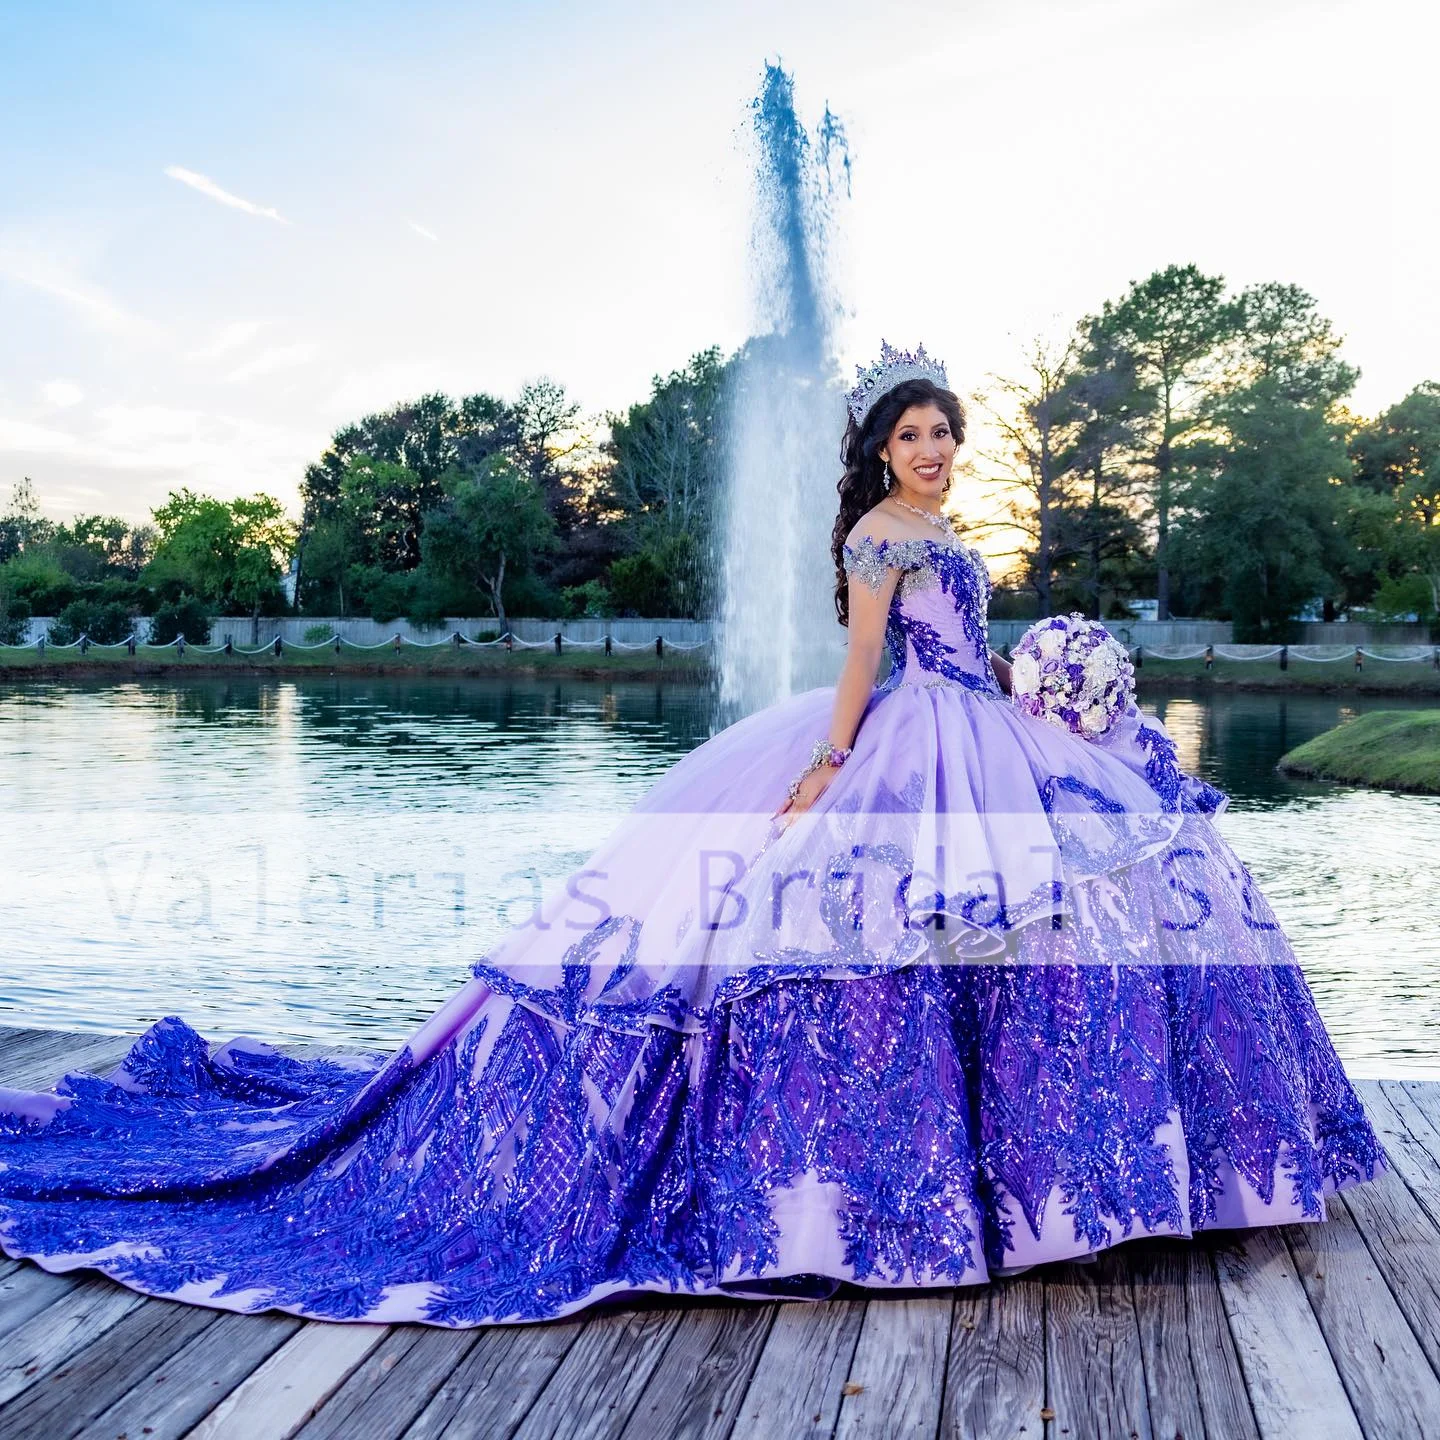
[{"x": 875, "y": 525}]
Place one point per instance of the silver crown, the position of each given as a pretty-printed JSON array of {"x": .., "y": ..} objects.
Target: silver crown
[{"x": 894, "y": 367}]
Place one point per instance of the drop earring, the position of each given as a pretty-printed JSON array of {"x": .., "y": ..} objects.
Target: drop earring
[{"x": 887, "y": 474}]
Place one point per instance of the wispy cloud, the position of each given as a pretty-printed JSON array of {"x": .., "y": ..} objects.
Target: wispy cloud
[
  {"x": 278, "y": 357},
  {"x": 229, "y": 337},
  {"x": 41, "y": 273},
  {"x": 102, "y": 452},
  {"x": 206, "y": 186},
  {"x": 419, "y": 229}
]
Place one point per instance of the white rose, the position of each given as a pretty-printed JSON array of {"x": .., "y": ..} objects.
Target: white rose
[
  {"x": 1052, "y": 642},
  {"x": 1024, "y": 673},
  {"x": 1093, "y": 720}
]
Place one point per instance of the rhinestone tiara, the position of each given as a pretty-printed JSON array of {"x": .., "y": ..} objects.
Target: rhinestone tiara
[{"x": 894, "y": 366}]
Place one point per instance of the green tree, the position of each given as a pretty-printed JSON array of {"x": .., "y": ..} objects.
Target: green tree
[
  {"x": 231, "y": 554},
  {"x": 1112, "y": 410},
  {"x": 667, "y": 455},
  {"x": 1264, "y": 511},
  {"x": 1396, "y": 460},
  {"x": 540, "y": 434},
  {"x": 490, "y": 526},
  {"x": 367, "y": 531},
  {"x": 1174, "y": 324},
  {"x": 22, "y": 526},
  {"x": 99, "y": 547},
  {"x": 1037, "y": 463}
]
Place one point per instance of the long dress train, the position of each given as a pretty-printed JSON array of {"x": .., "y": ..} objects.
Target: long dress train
[{"x": 1002, "y": 996}]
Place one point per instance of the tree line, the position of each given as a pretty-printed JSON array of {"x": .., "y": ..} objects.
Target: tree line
[
  {"x": 486, "y": 506},
  {"x": 1195, "y": 445},
  {"x": 1180, "y": 442}
]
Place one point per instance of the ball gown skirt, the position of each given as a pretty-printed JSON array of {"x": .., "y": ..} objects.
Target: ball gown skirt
[{"x": 1004, "y": 995}]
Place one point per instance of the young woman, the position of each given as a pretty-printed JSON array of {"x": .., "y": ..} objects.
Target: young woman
[{"x": 890, "y": 983}]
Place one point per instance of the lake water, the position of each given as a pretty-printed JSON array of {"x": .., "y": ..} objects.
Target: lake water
[{"x": 325, "y": 859}]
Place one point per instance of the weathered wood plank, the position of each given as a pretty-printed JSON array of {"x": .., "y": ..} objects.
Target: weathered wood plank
[
  {"x": 174, "y": 1396},
  {"x": 1193, "y": 1380},
  {"x": 1425, "y": 1094},
  {"x": 284, "y": 1392},
  {"x": 1404, "y": 1126},
  {"x": 27, "y": 1290},
  {"x": 995, "y": 1375},
  {"x": 1095, "y": 1380},
  {"x": 1404, "y": 1246},
  {"x": 61, "y": 1403},
  {"x": 897, "y": 1379},
  {"x": 492, "y": 1390},
  {"x": 597, "y": 1384},
  {"x": 795, "y": 1392},
  {"x": 1417, "y": 1104},
  {"x": 1294, "y": 1386},
  {"x": 397, "y": 1380},
  {"x": 49, "y": 1338},
  {"x": 1381, "y": 1362},
  {"x": 697, "y": 1387}
]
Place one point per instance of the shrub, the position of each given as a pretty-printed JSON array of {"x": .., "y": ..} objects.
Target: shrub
[
  {"x": 14, "y": 618},
  {"x": 186, "y": 616},
  {"x": 105, "y": 622},
  {"x": 640, "y": 585},
  {"x": 40, "y": 581},
  {"x": 317, "y": 634},
  {"x": 590, "y": 601},
  {"x": 389, "y": 597}
]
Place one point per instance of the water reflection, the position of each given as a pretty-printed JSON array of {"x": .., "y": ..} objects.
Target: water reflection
[{"x": 156, "y": 830}]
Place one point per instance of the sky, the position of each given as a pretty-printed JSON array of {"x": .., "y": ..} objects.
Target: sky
[{"x": 228, "y": 230}]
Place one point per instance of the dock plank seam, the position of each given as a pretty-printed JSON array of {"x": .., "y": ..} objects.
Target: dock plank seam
[{"x": 749, "y": 1379}]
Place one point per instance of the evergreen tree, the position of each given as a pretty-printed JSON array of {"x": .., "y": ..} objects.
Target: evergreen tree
[
  {"x": 1174, "y": 324},
  {"x": 1264, "y": 508}
]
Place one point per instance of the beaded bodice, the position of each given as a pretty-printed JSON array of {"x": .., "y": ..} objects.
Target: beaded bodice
[{"x": 936, "y": 629}]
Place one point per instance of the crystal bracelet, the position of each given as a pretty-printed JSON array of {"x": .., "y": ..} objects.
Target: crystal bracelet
[{"x": 824, "y": 753}]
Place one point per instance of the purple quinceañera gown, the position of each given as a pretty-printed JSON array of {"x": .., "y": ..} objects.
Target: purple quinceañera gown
[{"x": 1003, "y": 995}]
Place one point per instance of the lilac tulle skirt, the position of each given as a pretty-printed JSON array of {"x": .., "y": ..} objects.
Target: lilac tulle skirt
[{"x": 1002, "y": 996}]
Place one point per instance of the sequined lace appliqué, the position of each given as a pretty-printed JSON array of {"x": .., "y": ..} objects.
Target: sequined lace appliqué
[{"x": 957, "y": 571}]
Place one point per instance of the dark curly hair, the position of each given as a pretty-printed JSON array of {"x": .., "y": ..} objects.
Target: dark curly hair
[{"x": 862, "y": 486}]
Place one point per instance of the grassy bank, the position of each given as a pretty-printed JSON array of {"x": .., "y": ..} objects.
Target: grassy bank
[
  {"x": 1393, "y": 749},
  {"x": 1379, "y": 677},
  {"x": 152, "y": 662}
]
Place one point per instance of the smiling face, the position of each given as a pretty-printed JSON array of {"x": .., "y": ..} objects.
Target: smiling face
[{"x": 921, "y": 450}]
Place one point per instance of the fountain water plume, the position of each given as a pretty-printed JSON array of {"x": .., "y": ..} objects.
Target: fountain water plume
[{"x": 779, "y": 632}]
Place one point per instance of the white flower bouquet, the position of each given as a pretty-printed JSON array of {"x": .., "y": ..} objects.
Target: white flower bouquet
[{"x": 1072, "y": 672}]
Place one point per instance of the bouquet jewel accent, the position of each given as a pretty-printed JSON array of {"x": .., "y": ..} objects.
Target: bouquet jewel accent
[{"x": 1074, "y": 673}]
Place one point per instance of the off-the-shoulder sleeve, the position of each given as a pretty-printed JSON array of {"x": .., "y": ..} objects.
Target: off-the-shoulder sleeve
[{"x": 868, "y": 560}]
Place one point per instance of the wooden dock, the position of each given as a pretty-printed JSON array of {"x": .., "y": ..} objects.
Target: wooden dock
[{"x": 1311, "y": 1330}]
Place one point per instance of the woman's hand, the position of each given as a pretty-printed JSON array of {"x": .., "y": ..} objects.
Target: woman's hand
[{"x": 812, "y": 787}]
